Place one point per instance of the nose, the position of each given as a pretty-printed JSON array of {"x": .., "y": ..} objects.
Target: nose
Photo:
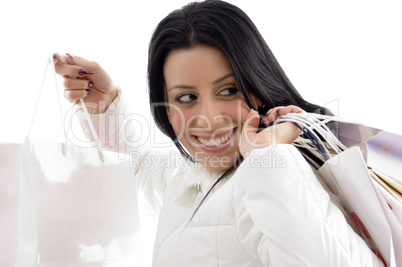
[{"x": 210, "y": 116}]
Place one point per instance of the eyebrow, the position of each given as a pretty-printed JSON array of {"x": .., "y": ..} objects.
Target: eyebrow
[{"x": 193, "y": 87}]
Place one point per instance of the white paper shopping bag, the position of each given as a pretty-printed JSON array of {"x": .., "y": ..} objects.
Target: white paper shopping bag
[
  {"x": 347, "y": 176},
  {"x": 10, "y": 160},
  {"x": 77, "y": 210},
  {"x": 342, "y": 162},
  {"x": 76, "y": 206}
]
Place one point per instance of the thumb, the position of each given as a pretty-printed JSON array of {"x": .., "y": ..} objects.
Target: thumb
[
  {"x": 70, "y": 59},
  {"x": 90, "y": 66},
  {"x": 251, "y": 124},
  {"x": 252, "y": 121},
  {"x": 249, "y": 132}
]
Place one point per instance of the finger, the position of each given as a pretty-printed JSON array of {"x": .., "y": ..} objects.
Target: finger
[
  {"x": 70, "y": 70},
  {"x": 289, "y": 109},
  {"x": 59, "y": 59},
  {"x": 56, "y": 58},
  {"x": 252, "y": 122},
  {"x": 71, "y": 83},
  {"x": 271, "y": 115},
  {"x": 90, "y": 66},
  {"x": 274, "y": 113},
  {"x": 70, "y": 59},
  {"x": 250, "y": 139},
  {"x": 71, "y": 94},
  {"x": 249, "y": 130}
]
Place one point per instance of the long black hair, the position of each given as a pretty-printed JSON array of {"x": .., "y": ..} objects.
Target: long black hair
[{"x": 228, "y": 28}]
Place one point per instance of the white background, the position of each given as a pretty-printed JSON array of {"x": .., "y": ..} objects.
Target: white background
[
  {"x": 342, "y": 54},
  {"x": 345, "y": 55}
]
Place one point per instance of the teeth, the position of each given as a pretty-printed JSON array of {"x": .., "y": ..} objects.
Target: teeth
[{"x": 215, "y": 142}]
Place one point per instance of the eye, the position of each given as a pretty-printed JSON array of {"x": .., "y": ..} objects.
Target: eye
[
  {"x": 228, "y": 91},
  {"x": 186, "y": 98}
]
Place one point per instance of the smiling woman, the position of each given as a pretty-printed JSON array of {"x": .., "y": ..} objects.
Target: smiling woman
[
  {"x": 207, "y": 109},
  {"x": 212, "y": 81},
  {"x": 205, "y": 105}
]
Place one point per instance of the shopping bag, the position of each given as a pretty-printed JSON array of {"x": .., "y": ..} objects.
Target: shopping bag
[
  {"x": 385, "y": 160},
  {"x": 348, "y": 177},
  {"x": 10, "y": 165},
  {"x": 345, "y": 170},
  {"x": 75, "y": 206},
  {"x": 382, "y": 151},
  {"x": 76, "y": 209}
]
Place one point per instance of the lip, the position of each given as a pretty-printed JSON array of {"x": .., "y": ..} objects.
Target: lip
[{"x": 218, "y": 149}]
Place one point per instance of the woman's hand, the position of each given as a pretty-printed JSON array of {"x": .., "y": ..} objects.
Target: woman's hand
[
  {"x": 87, "y": 80},
  {"x": 283, "y": 133}
]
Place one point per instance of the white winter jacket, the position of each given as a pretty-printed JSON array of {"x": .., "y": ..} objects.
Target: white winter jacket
[{"x": 273, "y": 211}]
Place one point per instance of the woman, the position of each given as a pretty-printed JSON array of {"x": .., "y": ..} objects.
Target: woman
[{"x": 244, "y": 201}]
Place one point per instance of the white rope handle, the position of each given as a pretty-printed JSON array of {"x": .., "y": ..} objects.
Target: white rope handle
[
  {"x": 86, "y": 114},
  {"x": 317, "y": 123},
  {"x": 302, "y": 121},
  {"x": 50, "y": 61},
  {"x": 91, "y": 126}
]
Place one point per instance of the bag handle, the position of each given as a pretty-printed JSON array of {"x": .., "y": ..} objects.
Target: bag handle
[
  {"x": 51, "y": 62},
  {"x": 313, "y": 126}
]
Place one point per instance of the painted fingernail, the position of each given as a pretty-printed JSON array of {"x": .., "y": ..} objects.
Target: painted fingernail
[
  {"x": 82, "y": 72},
  {"x": 73, "y": 58},
  {"x": 265, "y": 118},
  {"x": 87, "y": 91},
  {"x": 90, "y": 84},
  {"x": 54, "y": 57}
]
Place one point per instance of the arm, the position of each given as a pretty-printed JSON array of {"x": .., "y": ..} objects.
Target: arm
[
  {"x": 110, "y": 115},
  {"x": 286, "y": 218},
  {"x": 114, "y": 124}
]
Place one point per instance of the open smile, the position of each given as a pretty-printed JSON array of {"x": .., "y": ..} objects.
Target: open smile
[{"x": 215, "y": 144}]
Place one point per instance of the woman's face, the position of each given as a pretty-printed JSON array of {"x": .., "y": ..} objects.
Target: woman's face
[{"x": 205, "y": 106}]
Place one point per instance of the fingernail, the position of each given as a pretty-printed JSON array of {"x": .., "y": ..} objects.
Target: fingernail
[
  {"x": 87, "y": 91},
  {"x": 264, "y": 120},
  {"x": 82, "y": 72},
  {"x": 54, "y": 57},
  {"x": 90, "y": 84},
  {"x": 73, "y": 58}
]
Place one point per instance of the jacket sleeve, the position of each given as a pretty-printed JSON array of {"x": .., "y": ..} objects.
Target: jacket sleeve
[
  {"x": 127, "y": 133},
  {"x": 115, "y": 128},
  {"x": 285, "y": 218}
]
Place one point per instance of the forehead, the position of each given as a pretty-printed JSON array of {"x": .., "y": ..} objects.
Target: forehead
[{"x": 199, "y": 63}]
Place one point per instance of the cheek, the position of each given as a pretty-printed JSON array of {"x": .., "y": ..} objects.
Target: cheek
[
  {"x": 237, "y": 110},
  {"x": 244, "y": 110},
  {"x": 178, "y": 119}
]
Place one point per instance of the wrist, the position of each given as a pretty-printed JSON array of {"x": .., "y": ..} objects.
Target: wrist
[{"x": 104, "y": 104}]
